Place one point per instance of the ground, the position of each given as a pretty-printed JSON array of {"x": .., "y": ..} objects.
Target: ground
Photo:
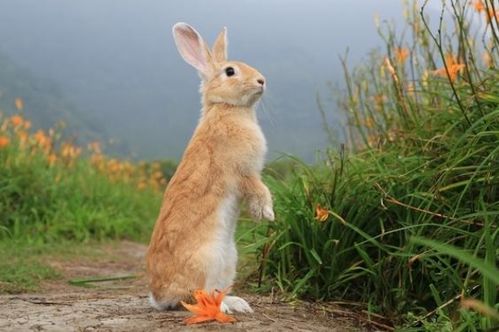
[{"x": 121, "y": 305}]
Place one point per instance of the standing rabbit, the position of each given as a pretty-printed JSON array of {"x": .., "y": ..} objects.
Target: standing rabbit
[{"x": 192, "y": 245}]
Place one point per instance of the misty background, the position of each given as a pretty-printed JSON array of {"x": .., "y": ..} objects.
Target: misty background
[{"x": 110, "y": 69}]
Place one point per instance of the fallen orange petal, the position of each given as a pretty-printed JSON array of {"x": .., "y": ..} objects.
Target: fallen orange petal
[
  {"x": 207, "y": 308},
  {"x": 193, "y": 308},
  {"x": 223, "y": 318},
  {"x": 198, "y": 319},
  {"x": 203, "y": 298},
  {"x": 220, "y": 296}
]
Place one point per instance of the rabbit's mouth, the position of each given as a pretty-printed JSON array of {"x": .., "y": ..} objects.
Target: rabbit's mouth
[
  {"x": 253, "y": 95},
  {"x": 256, "y": 94},
  {"x": 258, "y": 90}
]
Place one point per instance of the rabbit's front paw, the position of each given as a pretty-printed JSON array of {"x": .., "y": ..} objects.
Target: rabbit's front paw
[
  {"x": 232, "y": 304},
  {"x": 268, "y": 212},
  {"x": 258, "y": 210}
]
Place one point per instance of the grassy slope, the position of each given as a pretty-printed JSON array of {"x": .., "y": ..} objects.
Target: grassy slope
[
  {"x": 428, "y": 169},
  {"x": 21, "y": 269},
  {"x": 49, "y": 206},
  {"x": 42, "y": 203}
]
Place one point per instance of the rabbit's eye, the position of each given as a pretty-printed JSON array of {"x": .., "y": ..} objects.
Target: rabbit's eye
[{"x": 229, "y": 71}]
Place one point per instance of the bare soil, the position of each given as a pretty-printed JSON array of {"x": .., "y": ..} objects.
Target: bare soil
[{"x": 123, "y": 306}]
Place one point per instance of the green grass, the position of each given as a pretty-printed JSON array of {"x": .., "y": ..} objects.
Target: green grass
[
  {"x": 21, "y": 267},
  {"x": 49, "y": 209},
  {"x": 25, "y": 265},
  {"x": 414, "y": 204},
  {"x": 20, "y": 275},
  {"x": 42, "y": 203}
]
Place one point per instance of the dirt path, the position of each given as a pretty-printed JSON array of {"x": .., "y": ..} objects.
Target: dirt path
[{"x": 122, "y": 305}]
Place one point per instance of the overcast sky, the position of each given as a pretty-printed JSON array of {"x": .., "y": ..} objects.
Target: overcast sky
[{"x": 116, "y": 60}]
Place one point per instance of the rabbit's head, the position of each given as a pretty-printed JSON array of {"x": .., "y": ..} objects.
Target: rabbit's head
[{"x": 223, "y": 81}]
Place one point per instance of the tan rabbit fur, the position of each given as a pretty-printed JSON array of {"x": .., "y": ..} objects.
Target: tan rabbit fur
[{"x": 192, "y": 245}]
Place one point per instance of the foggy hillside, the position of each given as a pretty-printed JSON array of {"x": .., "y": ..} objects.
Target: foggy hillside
[{"x": 115, "y": 62}]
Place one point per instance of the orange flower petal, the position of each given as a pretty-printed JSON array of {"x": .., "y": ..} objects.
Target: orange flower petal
[
  {"x": 220, "y": 295},
  {"x": 479, "y": 6},
  {"x": 202, "y": 297},
  {"x": 16, "y": 120},
  {"x": 195, "y": 309},
  {"x": 401, "y": 54},
  {"x": 453, "y": 68},
  {"x": 198, "y": 319},
  {"x": 4, "y": 141},
  {"x": 223, "y": 318},
  {"x": 321, "y": 214},
  {"x": 207, "y": 308}
]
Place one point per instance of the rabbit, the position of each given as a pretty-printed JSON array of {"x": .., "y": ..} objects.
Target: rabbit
[{"x": 192, "y": 245}]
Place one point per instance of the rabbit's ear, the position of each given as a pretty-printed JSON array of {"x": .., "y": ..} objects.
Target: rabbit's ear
[
  {"x": 192, "y": 47},
  {"x": 220, "y": 47}
]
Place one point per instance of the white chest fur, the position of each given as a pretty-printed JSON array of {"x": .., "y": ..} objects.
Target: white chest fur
[
  {"x": 255, "y": 149},
  {"x": 221, "y": 252}
]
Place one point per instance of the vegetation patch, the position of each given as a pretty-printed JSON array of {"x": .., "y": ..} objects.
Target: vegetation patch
[
  {"x": 21, "y": 269},
  {"x": 424, "y": 119}
]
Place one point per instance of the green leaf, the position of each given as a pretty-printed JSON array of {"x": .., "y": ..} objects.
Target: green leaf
[
  {"x": 488, "y": 270},
  {"x": 316, "y": 256}
]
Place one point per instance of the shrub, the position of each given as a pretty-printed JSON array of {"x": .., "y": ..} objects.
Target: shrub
[{"x": 424, "y": 122}]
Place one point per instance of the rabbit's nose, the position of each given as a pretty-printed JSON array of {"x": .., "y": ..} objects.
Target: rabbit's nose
[{"x": 260, "y": 81}]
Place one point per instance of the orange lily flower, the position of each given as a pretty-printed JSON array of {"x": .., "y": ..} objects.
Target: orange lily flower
[
  {"x": 42, "y": 139},
  {"x": 321, "y": 214},
  {"x": 113, "y": 166},
  {"x": 97, "y": 160},
  {"x": 69, "y": 151},
  {"x": 479, "y": 6},
  {"x": 16, "y": 120},
  {"x": 142, "y": 184},
  {"x": 95, "y": 147},
  {"x": 52, "y": 158},
  {"x": 453, "y": 67},
  {"x": 490, "y": 14},
  {"x": 4, "y": 141},
  {"x": 401, "y": 54},
  {"x": 207, "y": 308}
]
